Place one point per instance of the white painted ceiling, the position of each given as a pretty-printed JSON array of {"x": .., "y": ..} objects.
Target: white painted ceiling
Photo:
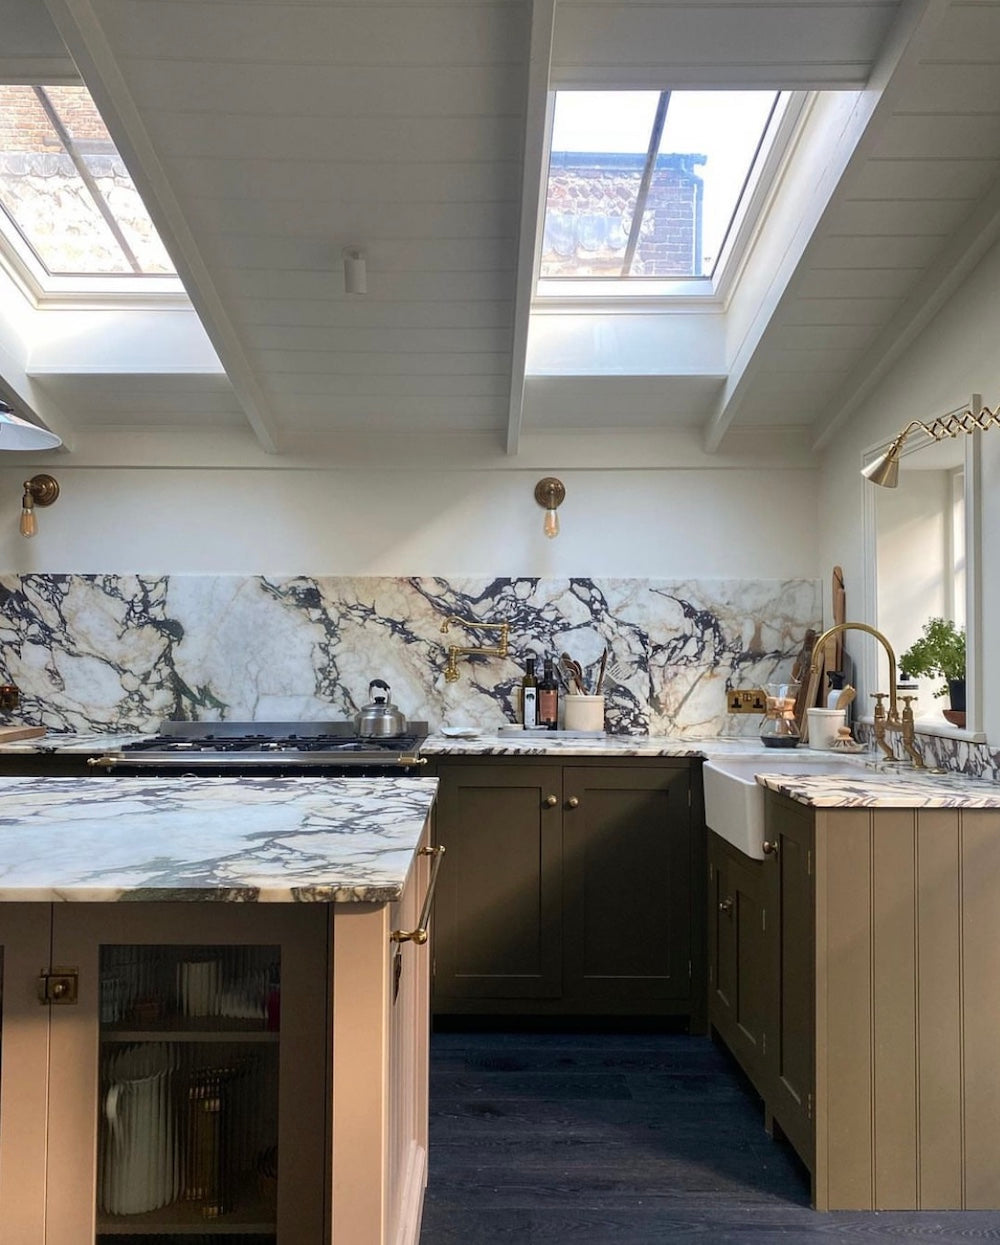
[{"x": 265, "y": 136}]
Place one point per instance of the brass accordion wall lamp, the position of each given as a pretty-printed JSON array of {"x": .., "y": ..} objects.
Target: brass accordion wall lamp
[{"x": 884, "y": 471}]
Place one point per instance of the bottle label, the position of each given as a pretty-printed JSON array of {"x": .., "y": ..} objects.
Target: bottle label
[
  {"x": 529, "y": 706},
  {"x": 548, "y": 707}
]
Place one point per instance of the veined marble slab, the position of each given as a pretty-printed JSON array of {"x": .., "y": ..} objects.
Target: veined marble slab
[
  {"x": 884, "y": 789},
  {"x": 236, "y": 840},
  {"x": 871, "y": 788},
  {"x": 118, "y": 653}
]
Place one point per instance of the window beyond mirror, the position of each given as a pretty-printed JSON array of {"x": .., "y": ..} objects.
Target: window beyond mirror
[{"x": 925, "y": 555}]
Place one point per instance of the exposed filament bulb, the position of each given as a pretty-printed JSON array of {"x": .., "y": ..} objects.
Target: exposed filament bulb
[{"x": 29, "y": 524}]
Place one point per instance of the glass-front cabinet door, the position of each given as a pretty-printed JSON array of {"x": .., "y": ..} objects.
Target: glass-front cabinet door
[{"x": 188, "y": 1082}]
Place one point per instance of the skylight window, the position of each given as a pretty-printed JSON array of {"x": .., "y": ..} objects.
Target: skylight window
[
  {"x": 650, "y": 185},
  {"x": 69, "y": 206}
]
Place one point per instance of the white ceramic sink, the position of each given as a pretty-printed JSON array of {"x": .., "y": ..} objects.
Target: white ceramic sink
[{"x": 734, "y": 800}]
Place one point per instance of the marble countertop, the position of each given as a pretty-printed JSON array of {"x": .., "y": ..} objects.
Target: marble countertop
[
  {"x": 907, "y": 788},
  {"x": 890, "y": 788},
  {"x": 264, "y": 840}
]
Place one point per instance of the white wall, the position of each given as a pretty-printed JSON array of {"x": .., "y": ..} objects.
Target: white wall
[
  {"x": 645, "y": 523},
  {"x": 953, "y": 358}
]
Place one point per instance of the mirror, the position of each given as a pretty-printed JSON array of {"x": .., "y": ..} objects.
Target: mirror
[{"x": 923, "y": 549}]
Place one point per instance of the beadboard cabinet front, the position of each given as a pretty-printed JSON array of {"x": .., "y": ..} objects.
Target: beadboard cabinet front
[{"x": 878, "y": 987}]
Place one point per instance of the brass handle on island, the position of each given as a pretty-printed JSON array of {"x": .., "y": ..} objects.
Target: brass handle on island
[
  {"x": 573, "y": 802},
  {"x": 107, "y": 761},
  {"x": 769, "y": 848},
  {"x": 420, "y": 934},
  {"x": 551, "y": 801},
  {"x": 726, "y": 905}
]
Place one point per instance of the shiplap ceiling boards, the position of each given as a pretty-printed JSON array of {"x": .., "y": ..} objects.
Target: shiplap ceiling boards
[{"x": 267, "y": 136}]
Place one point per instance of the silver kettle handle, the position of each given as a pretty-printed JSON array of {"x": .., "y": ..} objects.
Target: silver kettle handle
[{"x": 382, "y": 684}]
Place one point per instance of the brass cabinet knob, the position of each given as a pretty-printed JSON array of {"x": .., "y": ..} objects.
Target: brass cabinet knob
[
  {"x": 769, "y": 848},
  {"x": 551, "y": 801},
  {"x": 572, "y": 802},
  {"x": 726, "y": 905}
]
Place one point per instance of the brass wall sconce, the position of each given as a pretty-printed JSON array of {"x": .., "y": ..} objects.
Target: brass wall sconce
[
  {"x": 455, "y": 650},
  {"x": 550, "y": 494},
  {"x": 884, "y": 470},
  {"x": 40, "y": 490}
]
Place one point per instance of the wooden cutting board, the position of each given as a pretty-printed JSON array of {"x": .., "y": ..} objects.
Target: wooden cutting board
[{"x": 9, "y": 733}]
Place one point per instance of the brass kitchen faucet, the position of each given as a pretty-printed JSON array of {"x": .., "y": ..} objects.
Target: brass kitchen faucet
[
  {"x": 883, "y": 721},
  {"x": 455, "y": 650}
]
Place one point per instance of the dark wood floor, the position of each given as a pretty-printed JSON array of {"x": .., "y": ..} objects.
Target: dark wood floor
[{"x": 621, "y": 1139}]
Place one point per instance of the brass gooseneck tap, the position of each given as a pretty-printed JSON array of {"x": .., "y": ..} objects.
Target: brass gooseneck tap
[
  {"x": 455, "y": 650},
  {"x": 883, "y": 721}
]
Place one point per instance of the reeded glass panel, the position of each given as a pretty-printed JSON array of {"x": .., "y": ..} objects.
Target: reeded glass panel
[
  {"x": 188, "y": 1121},
  {"x": 65, "y": 189},
  {"x": 648, "y": 183}
]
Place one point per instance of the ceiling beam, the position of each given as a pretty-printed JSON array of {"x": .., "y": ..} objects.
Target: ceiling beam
[
  {"x": 950, "y": 269},
  {"x": 916, "y": 24},
  {"x": 536, "y": 107},
  {"x": 81, "y": 31}
]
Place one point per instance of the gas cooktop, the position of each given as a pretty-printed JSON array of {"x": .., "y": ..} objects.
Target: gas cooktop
[{"x": 255, "y": 743}]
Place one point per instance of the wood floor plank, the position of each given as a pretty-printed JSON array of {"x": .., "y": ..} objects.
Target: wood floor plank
[{"x": 591, "y": 1139}]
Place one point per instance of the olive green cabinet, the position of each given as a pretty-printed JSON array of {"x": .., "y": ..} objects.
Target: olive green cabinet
[
  {"x": 737, "y": 960},
  {"x": 567, "y": 889},
  {"x": 761, "y": 974}
]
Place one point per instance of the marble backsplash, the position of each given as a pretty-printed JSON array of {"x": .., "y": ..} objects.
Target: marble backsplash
[{"x": 122, "y": 652}]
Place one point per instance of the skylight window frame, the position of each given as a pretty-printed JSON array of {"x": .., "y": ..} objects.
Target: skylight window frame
[
  {"x": 687, "y": 293},
  {"x": 43, "y": 289}
]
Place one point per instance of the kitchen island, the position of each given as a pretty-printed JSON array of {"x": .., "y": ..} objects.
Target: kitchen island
[{"x": 231, "y": 942}]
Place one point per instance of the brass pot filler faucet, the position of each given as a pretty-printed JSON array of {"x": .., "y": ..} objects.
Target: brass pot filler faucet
[{"x": 455, "y": 650}]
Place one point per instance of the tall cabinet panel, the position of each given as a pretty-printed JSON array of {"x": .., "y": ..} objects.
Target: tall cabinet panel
[
  {"x": 737, "y": 954},
  {"x": 790, "y": 959},
  {"x": 24, "y": 1070}
]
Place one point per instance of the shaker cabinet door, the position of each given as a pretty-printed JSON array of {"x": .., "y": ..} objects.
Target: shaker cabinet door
[
  {"x": 498, "y": 923},
  {"x": 627, "y": 894}
]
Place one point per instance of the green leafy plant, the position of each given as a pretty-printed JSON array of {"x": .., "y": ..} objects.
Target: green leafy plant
[{"x": 939, "y": 651}]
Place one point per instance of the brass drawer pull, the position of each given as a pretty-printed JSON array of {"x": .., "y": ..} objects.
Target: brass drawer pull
[
  {"x": 108, "y": 761},
  {"x": 726, "y": 905},
  {"x": 769, "y": 848},
  {"x": 573, "y": 802},
  {"x": 551, "y": 801},
  {"x": 419, "y": 935}
]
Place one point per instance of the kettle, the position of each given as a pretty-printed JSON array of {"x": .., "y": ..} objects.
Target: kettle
[{"x": 379, "y": 718}]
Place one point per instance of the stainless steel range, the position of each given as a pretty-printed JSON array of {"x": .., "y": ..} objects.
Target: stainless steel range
[{"x": 274, "y": 749}]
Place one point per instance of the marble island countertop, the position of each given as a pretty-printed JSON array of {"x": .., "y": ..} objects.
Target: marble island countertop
[{"x": 264, "y": 840}]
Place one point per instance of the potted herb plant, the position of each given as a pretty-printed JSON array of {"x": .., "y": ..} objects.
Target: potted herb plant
[{"x": 941, "y": 651}]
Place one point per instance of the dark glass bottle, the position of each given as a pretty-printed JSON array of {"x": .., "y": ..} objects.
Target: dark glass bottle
[
  {"x": 548, "y": 697},
  {"x": 529, "y": 695}
]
